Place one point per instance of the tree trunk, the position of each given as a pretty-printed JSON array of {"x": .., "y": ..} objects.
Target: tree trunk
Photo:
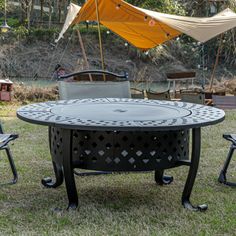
[
  {"x": 49, "y": 14},
  {"x": 23, "y": 11},
  {"x": 41, "y": 10},
  {"x": 216, "y": 62},
  {"x": 28, "y": 13},
  {"x": 59, "y": 10}
]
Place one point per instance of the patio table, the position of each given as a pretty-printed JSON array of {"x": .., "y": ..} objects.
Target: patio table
[{"x": 112, "y": 134}]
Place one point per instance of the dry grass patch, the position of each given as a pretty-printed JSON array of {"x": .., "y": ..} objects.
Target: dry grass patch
[{"x": 34, "y": 94}]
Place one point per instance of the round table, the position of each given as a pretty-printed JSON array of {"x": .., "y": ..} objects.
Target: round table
[{"x": 112, "y": 134}]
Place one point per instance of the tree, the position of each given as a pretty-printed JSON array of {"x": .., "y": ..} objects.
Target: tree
[
  {"x": 41, "y": 10},
  {"x": 167, "y": 6},
  {"x": 1, "y": 5},
  {"x": 26, "y": 6}
]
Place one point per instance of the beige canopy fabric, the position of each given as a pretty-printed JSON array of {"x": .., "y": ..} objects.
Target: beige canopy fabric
[
  {"x": 73, "y": 10},
  {"x": 146, "y": 29}
]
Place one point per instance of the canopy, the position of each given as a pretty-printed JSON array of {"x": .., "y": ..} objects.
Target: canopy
[{"x": 146, "y": 29}]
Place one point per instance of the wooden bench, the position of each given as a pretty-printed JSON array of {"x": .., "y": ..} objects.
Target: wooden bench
[
  {"x": 224, "y": 102},
  {"x": 180, "y": 76}
]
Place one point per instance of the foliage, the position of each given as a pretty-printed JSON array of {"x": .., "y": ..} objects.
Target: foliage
[
  {"x": 42, "y": 33},
  {"x": 90, "y": 29},
  {"x": 12, "y": 22},
  {"x": 184, "y": 49},
  {"x": 79, "y": 2},
  {"x": 166, "y": 6},
  {"x": 21, "y": 31},
  {"x": 1, "y": 5}
]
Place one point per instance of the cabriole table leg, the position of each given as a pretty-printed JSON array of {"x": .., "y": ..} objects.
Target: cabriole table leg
[
  {"x": 162, "y": 179},
  {"x": 57, "y": 167},
  {"x": 68, "y": 169},
  {"x": 196, "y": 149},
  {"x": 48, "y": 182}
]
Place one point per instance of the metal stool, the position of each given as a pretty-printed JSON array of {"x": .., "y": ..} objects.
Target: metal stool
[
  {"x": 222, "y": 177},
  {"x": 4, "y": 140}
]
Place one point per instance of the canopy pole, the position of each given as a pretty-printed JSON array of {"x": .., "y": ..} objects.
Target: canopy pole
[
  {"x": 84, "y": 53},
  {"x": 216, "y": 62},
  {"x": 100, "y": 39}
]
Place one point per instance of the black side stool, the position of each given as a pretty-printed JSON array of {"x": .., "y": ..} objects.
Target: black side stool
[
  {"x": 4, "y": 140},
  {"x": 222, "y": 177}
]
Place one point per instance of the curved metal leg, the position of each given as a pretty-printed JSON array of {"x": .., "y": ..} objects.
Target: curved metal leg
[
  {"x": 48, "y": 182},
  {"x": 57, "y": 167},
  {"x": 222, "y": 177},
  {"x": 162, "y": 179},
  {"x": 12, "y": 164},
  {"x": 196, "y": 147},
  {"x": 68, "y": 170}
]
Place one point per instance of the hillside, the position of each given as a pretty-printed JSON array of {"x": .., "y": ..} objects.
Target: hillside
[
  {"x": 31, "y": 59},
  {"x": 34, "y": 58}
]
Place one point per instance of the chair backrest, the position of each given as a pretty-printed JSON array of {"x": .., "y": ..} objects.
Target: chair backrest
[
  {"x": 136, "y": 93},
  {"x": 117, "y": 86},
  {"x": 224, "y": 102},
  {"x": 158, "y": 96},
  {"x": 198, "y": 98},
  {"x": 99, "y": 89},
  {"x": 95, "y": 75}
]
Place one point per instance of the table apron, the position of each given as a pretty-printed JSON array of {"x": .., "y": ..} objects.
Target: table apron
[{"x": 123, "y": 150}]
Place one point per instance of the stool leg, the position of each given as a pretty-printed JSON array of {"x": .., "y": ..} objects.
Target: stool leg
[
  {"x": 12, "y": 164},
  {"x": 222, "y": 177}
]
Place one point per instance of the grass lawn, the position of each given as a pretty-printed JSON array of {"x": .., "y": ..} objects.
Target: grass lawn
[{"x": 119, "y": 204}]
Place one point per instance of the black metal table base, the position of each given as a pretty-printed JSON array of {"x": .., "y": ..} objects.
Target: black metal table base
[
  {"x": 59, "y": 177},
  {"x": 82, "y": 174},
  {"x": 125, "y": 135},
  {"x": 64, "y": 169},
  {"x": 196, "y": 149},
  {"x": 162, "y": 179}
]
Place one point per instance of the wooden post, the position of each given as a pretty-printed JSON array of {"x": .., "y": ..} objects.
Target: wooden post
[
  {"x": 100, "y": 39},
  {"x": 84, "y": 53},
  {"x": 216, "y": 62}
]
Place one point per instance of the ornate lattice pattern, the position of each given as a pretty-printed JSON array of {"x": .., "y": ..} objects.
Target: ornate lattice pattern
[
  {"x": 199, "y": 115},
  {"x": 124, "y": 151}
]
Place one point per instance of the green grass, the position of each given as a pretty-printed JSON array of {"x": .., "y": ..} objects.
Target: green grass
[{"x": 122, "y": 204}]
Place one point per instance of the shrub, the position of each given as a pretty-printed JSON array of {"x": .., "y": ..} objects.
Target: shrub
[{"x": 26, "y": 94}]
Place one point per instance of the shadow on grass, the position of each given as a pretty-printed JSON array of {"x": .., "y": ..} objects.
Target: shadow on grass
[{"x": 122, "y": 198}]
